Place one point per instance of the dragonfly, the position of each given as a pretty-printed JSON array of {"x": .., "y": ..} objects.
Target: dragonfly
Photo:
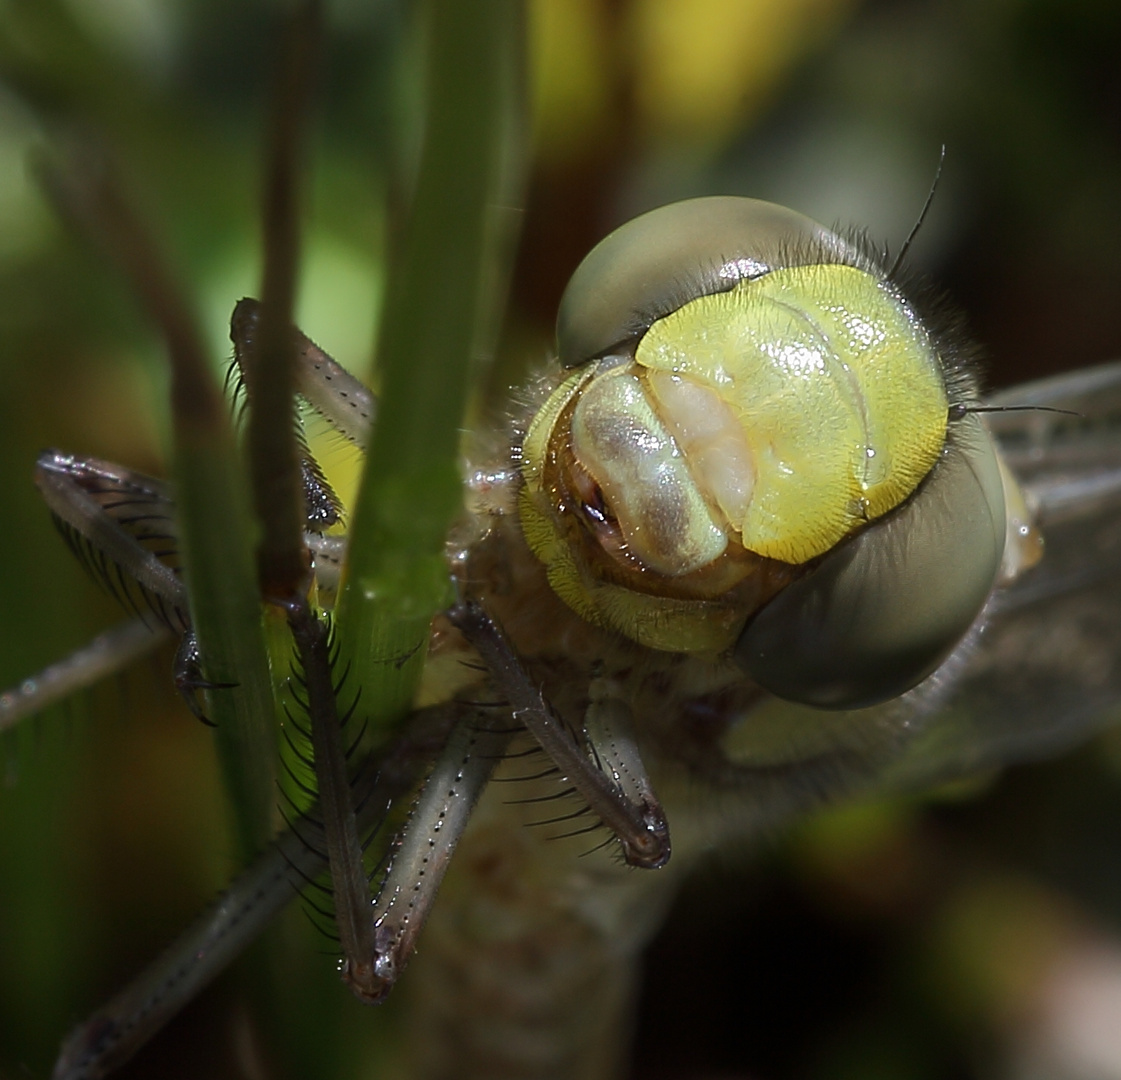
[
  {"x": 561, "y": 877},
  {"x": 1031, "y": 673}
]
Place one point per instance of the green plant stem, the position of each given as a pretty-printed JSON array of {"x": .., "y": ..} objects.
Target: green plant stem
[
  {"x": 440, "y": 299},
  {"x": 211, "y": 493}
]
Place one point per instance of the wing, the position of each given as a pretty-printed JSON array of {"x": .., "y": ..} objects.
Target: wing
[
  {"x": 1040, "y": 672},
  {"x": 1045, "y": 671}
]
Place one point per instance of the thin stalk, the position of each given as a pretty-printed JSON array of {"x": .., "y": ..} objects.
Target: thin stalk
[
  {"x": 211, "y": 494},
  {"x": 440, "y": 302},
  {"x": 271, "y": 375},
  {"x": 109, "y": 652}
]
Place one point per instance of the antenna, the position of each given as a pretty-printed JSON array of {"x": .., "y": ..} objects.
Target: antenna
[
  {"x": 958, "y": 411},
  {"x": 922, "y": 216}
]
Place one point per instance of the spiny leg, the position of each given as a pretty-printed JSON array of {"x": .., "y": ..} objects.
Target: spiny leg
[
  {"x": 626, "y": 804},
  {"x": 281, "y": 570},
  {"x": 350, "y": 886},
  {"x": 609, "y": 726},
  {"x": 121, "y": 526},
  {"x": 336, "y": 808},
  {"x": 113, "y": 1034},
  {"x": 343, "y": 401},
  {"x": 323, "y": 509},
  {"x": 424, "y": 847}
]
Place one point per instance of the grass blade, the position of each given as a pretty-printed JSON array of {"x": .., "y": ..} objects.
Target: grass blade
[
  {"x": 440, "y": 299},
  {"x": 211, "y": 492}
]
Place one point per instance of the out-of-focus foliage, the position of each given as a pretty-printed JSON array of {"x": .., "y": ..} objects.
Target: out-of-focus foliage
[{"x": 905, "y": 941}]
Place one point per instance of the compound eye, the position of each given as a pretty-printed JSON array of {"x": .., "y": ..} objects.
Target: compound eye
[
  {"x": 659, "y": 261},
  {"x": 884, "y": 610}
]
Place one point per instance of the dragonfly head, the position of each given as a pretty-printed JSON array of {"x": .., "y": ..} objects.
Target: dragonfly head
[{"x": 753, "y": 453}]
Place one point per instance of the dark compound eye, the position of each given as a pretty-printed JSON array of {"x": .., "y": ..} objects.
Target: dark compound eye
[{"x": 651, "y": 266}]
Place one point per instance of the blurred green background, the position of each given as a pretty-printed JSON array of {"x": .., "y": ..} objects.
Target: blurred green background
[{"x": 923, "y": 939}]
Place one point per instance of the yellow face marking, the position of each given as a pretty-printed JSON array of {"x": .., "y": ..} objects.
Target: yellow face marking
[{"x": 837, "y": 389}]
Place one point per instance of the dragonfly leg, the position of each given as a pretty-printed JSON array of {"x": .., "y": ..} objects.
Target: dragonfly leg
[
  {"x": 609, "y": 725},
  {"x": 120, "y": 525},
  {"x": 425, "y": 845},
  {"x": 117, "y": 1030},
  {"x": 188, "y": 676},
  {"x": 624, "y": 802},
  {"x": 350, "y": 885},
  {"x": 346, "y": 404}
]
